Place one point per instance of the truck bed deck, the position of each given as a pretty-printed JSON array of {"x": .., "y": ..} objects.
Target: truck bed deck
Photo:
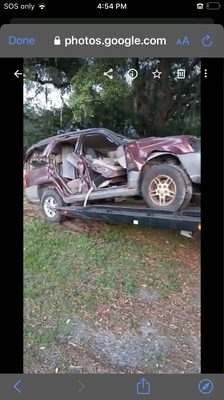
[{"x": 137, "y": 213}]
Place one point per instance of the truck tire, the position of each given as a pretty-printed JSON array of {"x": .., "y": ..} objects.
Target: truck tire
[
  {"x": 166, "y": 187},
  {"x": 49, "y": 200}
]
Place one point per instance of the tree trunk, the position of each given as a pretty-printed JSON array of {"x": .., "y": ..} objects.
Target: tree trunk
[{"x": 164, "y": 108}]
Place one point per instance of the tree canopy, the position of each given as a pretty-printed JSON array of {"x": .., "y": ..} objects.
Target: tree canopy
[{"x": 142, "y": 107}]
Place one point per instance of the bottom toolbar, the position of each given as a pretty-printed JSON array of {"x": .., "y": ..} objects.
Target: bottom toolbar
[{"x": 128, "y": 387}]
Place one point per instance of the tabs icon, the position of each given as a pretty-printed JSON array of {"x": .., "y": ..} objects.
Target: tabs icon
[
  {"x": 57, "y": 41},
  {"x": 183, "y": 42}
]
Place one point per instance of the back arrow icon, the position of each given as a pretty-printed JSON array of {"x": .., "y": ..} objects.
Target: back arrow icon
[
  {"x": 17, "y": 73},
  {"x": 16, "y": 386}
]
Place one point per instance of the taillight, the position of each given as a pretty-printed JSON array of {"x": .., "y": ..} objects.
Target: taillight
[{"x": 25, "y": 178}]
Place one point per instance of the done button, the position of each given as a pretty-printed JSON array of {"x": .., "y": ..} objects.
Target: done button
[{"x": 21, "y": 41}]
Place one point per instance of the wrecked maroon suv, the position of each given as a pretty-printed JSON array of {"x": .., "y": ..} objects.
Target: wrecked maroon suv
[{"x": 95, "y": 164}]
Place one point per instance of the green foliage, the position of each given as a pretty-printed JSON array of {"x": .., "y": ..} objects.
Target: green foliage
[
  {"x": 57, "y": 71},
  {"x": 97, "y": 100},
  {"x": 41, "y": 123},
  {"x": 143, "y": 107}
]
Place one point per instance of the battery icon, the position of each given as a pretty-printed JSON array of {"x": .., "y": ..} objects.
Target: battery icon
[{"x": 213, "y": 5}]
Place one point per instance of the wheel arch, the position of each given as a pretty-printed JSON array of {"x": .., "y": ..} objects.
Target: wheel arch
[
  {"x": 163, "y": 156},
  {"x": 46, "y": 186},
  {"x": 158, "y": 157}
]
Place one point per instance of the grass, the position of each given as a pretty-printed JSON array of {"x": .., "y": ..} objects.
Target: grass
[{"x": 67, "y": 274}]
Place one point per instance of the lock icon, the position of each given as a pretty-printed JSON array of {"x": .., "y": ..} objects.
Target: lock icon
[{"x": 57, "y": 41}]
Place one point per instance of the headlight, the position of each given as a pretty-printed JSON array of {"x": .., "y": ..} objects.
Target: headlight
[{"x": 196, "y": 144}]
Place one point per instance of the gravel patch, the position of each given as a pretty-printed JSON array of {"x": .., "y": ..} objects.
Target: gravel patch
[
  {"x": 196, "y": 296},
  {"x": 123, "y": 350},
  {"x": 147, "y": 295}
]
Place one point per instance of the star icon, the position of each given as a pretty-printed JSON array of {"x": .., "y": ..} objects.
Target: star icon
[{"x": 157, "y": 74}]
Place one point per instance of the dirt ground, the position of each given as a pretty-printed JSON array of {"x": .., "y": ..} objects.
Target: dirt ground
[{"x": 166, "y": 338}]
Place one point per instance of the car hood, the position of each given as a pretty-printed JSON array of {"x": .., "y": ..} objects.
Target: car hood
[{"x": 175, "y": 144}]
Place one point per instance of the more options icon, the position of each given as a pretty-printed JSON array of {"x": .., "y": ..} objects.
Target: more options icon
[{"x": 143, "y": 387}]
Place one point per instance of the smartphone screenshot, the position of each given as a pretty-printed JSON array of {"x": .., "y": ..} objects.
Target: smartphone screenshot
[{"x": 112, "y": 129}]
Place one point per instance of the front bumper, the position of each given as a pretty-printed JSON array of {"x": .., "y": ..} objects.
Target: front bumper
[{"x": 192, "y": 165}]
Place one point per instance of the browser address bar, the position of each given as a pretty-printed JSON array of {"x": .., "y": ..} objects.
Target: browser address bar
[{"x": 112, "y": 41}]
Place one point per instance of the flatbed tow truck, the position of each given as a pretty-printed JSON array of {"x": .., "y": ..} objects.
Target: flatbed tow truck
[{"x": 187, "y": 222}]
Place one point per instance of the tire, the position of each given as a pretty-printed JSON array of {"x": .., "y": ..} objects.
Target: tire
[
  {"x": 166, "y": 187},
  {"x": 51, "y": 198}
]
